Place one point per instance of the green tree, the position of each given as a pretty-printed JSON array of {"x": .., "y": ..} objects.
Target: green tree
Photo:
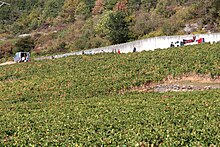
[
  {"x": 134, "y": 5},
  {"x": 52, "y": 8},
  {"x": 109, "y": 4},
  {"x": 25, "y": 44},
  {"x": 147, "y": 5},
  {"x": 164, "y": 7},
  {"x": 34, "y": 18},
  {"x": 118, "y": 28},
  {"x": 69, "y": 10},
  {"x": 215, "y": 9},
  {"x": 85, "y": 7},
  {"x": 101, "y": 28}
]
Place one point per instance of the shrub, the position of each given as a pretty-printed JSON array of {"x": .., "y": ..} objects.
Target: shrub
[{"x": 25, "y": 44}]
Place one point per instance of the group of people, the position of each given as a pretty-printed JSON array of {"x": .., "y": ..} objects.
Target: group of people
[
  {"x": 115, "y": 51},
  {"x": 118, "y": 50}
]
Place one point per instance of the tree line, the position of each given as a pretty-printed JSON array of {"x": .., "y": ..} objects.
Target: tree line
[{"x": 84, "y": 24}]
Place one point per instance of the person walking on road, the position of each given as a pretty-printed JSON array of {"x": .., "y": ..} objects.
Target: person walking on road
[{"x": 134, "y": 50}]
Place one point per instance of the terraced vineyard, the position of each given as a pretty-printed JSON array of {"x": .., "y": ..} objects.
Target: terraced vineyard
[{"x": 77, "y": 100}]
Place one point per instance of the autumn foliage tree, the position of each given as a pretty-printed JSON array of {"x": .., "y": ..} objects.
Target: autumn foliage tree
[
  {"x": 5, "y": 49},
  {"x": 99, "y": 7},
  {"x": 121, "y": 6}
]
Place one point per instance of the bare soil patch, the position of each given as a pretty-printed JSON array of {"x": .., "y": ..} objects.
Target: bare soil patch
[
  {"x": 187, "y": 82},
  {"x": 192, "y": 79}
]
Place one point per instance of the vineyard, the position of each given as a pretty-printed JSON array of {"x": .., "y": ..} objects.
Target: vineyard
[{"x": 77, "y": 101}]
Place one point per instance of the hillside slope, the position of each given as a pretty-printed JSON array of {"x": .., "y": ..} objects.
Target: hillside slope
[
  {"x": 70, "y": 25},
  {"x": 76, "y": 100},
  {"x": 108, "y": 73}
]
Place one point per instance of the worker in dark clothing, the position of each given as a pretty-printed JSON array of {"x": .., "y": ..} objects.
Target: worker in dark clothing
[
  {"x": 134, "y": 50},
  {"x": 194, "y": 38},
  {"x": 171, "y": 45}
]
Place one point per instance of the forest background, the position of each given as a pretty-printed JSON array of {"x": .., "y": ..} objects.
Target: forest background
[{"x": 55, "y": 26}]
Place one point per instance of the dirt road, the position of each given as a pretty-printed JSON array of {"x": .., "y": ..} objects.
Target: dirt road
[{"x": 7, "y": 63}]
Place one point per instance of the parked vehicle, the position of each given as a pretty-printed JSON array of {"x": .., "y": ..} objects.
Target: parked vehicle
[
  {"x": 22, "y": 57},
  {"x": 178, "y": 43},
  {"x": 88, "y": 52},
  {"x": 185, "y": 42}
]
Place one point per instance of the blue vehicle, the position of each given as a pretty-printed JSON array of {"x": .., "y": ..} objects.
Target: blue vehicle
[{"x": 22, "y": 57}]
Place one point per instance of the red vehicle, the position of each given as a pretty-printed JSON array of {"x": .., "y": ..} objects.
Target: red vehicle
[
  {"x": 188, "y": 42},
  {"x": 199, "y": 41}
]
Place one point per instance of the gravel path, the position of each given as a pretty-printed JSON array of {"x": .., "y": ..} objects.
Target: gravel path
[
  {"x": 177, "y": 86},
  {"x": 168, "y": 88}
]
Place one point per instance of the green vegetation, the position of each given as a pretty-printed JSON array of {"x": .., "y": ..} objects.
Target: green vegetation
[
  {"x": 97, "y": 23},
  {"x": 76, "y": 100},
  {"x": 25, "y": 44},
  {"x": 118, "y": 28}
]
